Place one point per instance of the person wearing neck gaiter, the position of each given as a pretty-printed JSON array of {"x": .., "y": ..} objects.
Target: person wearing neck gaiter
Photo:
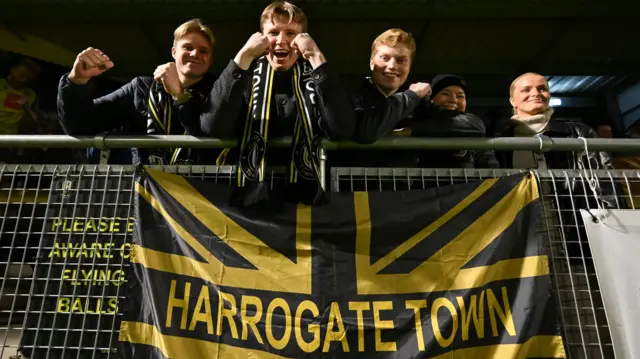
[
  {"x": 529, "y": 96},
  {"x": 532, "y": 116}
]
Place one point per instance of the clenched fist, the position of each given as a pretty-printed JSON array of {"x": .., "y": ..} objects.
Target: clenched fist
[
  {"x": 89, "y": 63},
  {"x": 422, "y": 89},
  {"x": 306, "y": 47},
  {"x": 167, "y": 75},
  {"x": 257, "y": 45}
]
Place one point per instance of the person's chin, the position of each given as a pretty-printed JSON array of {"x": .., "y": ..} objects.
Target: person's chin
[
  {"x": 389, "y": 85},
  {"x": 281, "y": 64},
  {"x": 539, "y": 108},
  {"x": 194, "y": 73},
  {"x": 282, "y": 67}
]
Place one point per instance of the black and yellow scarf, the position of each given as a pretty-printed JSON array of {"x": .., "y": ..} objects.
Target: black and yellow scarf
[
  {"x": 303, "y": 172},
  {"x": 161, "y": 122}
]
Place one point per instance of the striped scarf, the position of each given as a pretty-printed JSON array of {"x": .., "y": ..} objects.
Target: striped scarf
[
  {"x": 303, "y": 172},
  {"x": 161, "y": 122}
]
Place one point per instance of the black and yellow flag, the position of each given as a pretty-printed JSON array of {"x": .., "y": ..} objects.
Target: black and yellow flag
[{"x": 450, "y": 272}]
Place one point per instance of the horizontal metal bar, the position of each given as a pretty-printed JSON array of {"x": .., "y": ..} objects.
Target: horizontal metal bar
[
  {"x": 541, "y": 143},
  {"x": 345, "y": 173},
  {"x": 102, "y": 141}
]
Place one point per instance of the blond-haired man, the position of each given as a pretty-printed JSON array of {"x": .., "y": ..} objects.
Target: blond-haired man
[
  {"x": 172, "y": 101},
  {"x": 287, "y": 88}
]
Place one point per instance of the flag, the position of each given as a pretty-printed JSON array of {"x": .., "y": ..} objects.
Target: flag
[{"x": 450, "y": 272}]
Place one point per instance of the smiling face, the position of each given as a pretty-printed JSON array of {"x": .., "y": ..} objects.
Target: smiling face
[
  {"x": 452, "y": 98},
  {"x": 193, "y": 55},
  {"x": 530, "y": 95},
  {"x": 281, "y": 33},
  {"x": 390, "y": 66}
]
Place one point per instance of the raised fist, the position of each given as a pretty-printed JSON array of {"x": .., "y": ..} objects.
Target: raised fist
[
  {"x": 422, "y": 89},
  {"x": 167, "y": 75},
  {"x": 257, "y": 45},
  {"x": 306, "y": 47},
  {"x": 89, "y": 63}
]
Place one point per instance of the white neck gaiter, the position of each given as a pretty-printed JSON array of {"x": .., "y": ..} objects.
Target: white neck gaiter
[{"x": 531, "y": 125}]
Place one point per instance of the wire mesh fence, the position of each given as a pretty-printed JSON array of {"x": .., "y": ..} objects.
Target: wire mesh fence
[
  {"x": 64, "y": 248},
  {"x": 65, "y": 233}
]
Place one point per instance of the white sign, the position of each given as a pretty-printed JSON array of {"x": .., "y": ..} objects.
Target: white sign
[{"x": 615, "y": 247}]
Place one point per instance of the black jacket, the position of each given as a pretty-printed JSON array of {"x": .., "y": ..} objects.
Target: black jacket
[
  {"x": 571, "y": 194},
  {"x": 336, "y": 119},
  {"x": 126, "y": 109},
  {"x": 559, "y": 159},
  {"x": 378, "y": 116}
]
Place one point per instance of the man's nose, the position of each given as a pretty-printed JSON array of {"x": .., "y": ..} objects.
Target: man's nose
[
  {"x": 281, "y": 39},
  {"x": 392, "y": 64}
]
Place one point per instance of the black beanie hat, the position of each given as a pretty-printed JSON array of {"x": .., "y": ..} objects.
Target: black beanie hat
[{"x": 440, "y": 82}]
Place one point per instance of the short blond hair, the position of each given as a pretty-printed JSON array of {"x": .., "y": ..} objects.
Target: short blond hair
[
  {"x": 391, "y": 38},
  {"x": 513, "y": 84},
  {"x": 284, "y": 9},
  {"x": 193, "y": 25}
]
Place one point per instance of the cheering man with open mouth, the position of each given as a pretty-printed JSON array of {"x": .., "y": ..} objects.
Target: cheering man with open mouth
[{"x": 280, "y": 84}]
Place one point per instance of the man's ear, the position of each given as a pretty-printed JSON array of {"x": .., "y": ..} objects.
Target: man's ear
[
  {"x": 173, "y": 52},
  {"x": 371, "y": 64},
  {"x": 512, "y": 102}
]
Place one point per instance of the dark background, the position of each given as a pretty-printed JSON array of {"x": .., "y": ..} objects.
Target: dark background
[{"x": 588, "y": 49}]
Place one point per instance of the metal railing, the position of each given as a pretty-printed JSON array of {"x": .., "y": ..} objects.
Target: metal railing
[
  {"x": 47, "y": 205},
  {"x": 538, "y": 143}
]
